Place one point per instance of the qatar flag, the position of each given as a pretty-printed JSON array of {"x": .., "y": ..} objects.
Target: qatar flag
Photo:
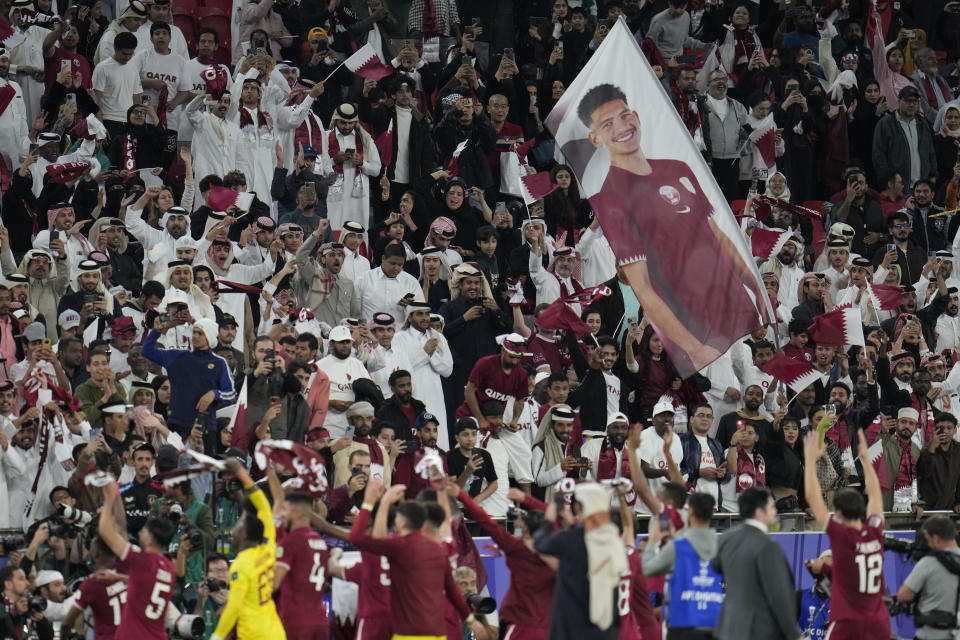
[
  {"x": 766, "y": 244},
  {"x": 796, "y": 374},
  {"x": 536, "y": 186},
  {"x": 367, "y": 64},
  {"x": 559, "y": 315},
  {"x": 661, "y": 210},
  {"x": 453, "y": 167},
  {"x": 221, "y": 199},
  {"x": 305, "y": 462},
  {"x": 9, "y": 36},
  {"x": 764, "y": 139},
  {"x": 840, "y": 327},
  {"x": 238, "y": 421},
  {"x": 885, "y": 297},
  {"x": 384, "y": 144}
]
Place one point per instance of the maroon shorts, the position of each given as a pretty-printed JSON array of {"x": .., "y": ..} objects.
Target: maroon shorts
[
  {"x": 308, "y": 633},
  {"x": 857, "y": 629},
  {"x": 520, "y": 632},
  {"x": 374, "y": 629},
  {"x": 651, "y": 632}
]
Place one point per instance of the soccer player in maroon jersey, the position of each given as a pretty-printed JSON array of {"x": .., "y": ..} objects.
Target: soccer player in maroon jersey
[
  {"x": 104, "y": 593},
  {"x": 420, "y": 573},
  {"x": 857, "y": 609},
  {"x": 151, "y": 574},
  {"x": 300, "y": 573}
]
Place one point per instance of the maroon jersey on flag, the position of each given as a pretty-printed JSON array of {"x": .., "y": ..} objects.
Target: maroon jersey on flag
[
  {"x": 492, "y": 384},
  {"x": 149, "y": 587},
  {"x": 372, "y": 575},
  {"x": 304, "y": 554},
  {"x": 106, "y": 600},
  {"x": 858, "y": 586}
]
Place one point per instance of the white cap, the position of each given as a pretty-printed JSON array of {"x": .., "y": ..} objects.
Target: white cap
[
  {"x": 663, "y": 406},
  {"x": 618, "y": 417},
  {"x": 593, "y": 498},
  {"x": 340, "y": 333},
  {"x": 68, "y": 319},
  {"x": 908, "y": 412},
  {"x": 47, "y": 576},
  {"x": 541, "y": 376}
]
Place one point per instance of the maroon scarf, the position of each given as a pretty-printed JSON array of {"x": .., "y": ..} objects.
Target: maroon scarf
[
  {"x": 607, "y": 462},
  {"x": 932, "y": 95},
  {"x": 263, "y": 118},
  {"x": 744, "y": 45},
  {"x": 309, "y": 132},
  {"x": 926, "y": 417},
  {"x": 162, "y": 105},
  {"x": 750, "y": 473},
  {"x": 907, "y": 471},
  {"x": 429, "y": 26},
  {"x": 376, "y": 455},
  {"x": 130, "y": 152},
  {"x": 334, "y": 146},
  {"x": 690, "y": 117},
  {"x": 7, "y": 93}
]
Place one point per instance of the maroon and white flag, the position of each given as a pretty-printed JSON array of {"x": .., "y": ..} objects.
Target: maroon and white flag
[
  {"x": 238, "y": 422},
  {"x": 221, "y": 199},
  {"x": 305, "y": 462},
  {"x": 367, "y": 64},
  {"x": 840, "y": 327},
  {"x": 766, "y": 244},
  {"x": 536, "y": 186},
  {"x": 384, "y": 144},
  {"x": 9, "y": 36},
  {"x": 453, "y": 167},
  {"x": 660, "y": 208},
  {"x": 796, "y": 374},
  {"x": 764, "y": 139},
  {"x": 885, "y": 297},
  {"x": 764, "y": 203}
]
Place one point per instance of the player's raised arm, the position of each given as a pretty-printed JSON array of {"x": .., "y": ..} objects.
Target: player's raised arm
[
  {"x": 106, "y": 526},
  {"x": 812, "y": 450}
]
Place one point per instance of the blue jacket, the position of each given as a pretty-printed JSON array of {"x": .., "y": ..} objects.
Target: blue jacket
[
  {"x": 192, "y": 374},
  {"x": 690, "y": 465}
]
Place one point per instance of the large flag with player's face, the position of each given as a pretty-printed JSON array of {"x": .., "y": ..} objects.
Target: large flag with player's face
[{"x": 660, "y": 208}]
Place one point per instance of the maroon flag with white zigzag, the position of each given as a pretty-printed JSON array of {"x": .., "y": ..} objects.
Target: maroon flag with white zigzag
[
  {"x": 840, "y": 327},
  {"x": 795, "y": 374}
]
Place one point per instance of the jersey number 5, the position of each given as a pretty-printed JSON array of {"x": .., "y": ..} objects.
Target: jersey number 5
[
  {"x": 870, "y": 569},
  {"x": 158, "y": 603}
]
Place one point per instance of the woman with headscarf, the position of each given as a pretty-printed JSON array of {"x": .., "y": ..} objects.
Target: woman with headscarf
[
  {"x": 890, "y": 75},
  {"x": 161, "y": 387},
  {"x": 564, "y": 208},
  {"x": 140, "y": 144},
  {"x": 871, "y": 106},
  {"x": 410, "y": 211},
  {"x": 455, "y": 205},
  {"x": 798, "y": 119},
  {"x": 946, "y": 141},
  {"x": 739, "y": 42}
]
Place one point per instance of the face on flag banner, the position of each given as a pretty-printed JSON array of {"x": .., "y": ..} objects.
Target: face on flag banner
[{"x": 666, "y": 220}]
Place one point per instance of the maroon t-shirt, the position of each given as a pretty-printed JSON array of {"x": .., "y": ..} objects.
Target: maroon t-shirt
[
  {"x": 372, "y": 575},
  {"x": 554, "y": 354},
  {"x": 304, "y": 554},
  {"x": 106, "y": 600},
  {"x": 858, "y": 585},
  {"x": 676, "y": 214},
  {"x": 493, "y": 384},
  {"x": 149, "y": 588},
  {"x": 79, "y": 66}
]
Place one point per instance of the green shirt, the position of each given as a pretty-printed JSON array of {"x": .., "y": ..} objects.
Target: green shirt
[{"x": 91, "y": 395}]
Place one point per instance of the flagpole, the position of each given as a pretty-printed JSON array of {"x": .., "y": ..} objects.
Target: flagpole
[{"x": 334, "y": 71}]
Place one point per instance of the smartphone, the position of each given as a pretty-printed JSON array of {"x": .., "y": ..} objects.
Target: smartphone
[
  {"x": 533, "y": 100},
  {"x": 891, "y": 247},
  {"x": 310, "y": 189},
  {"x": 350, "y": 431},
  {"x": 830, "y": 410},
  {"x": 65, "y": 65},
  {"x": 33, "y": 146},
  {"x": 509, "y": 54},
  {"x": 144, "y": 99},
  {"x": 409, "y": 296},
  {"x": 633, "y": 324},
  {"x": 46, "y": 343},
  {"x": 663, "y": 519},
  {"x": 687, "y": 59},
  {"x": 559, "y": 46},
  {"x": 468, "y": 31},
  {"x": 476, "y": 23},
  {"x": 71, "y": 98}
]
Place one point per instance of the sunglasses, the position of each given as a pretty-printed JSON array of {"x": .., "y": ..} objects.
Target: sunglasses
[{"x": 903, "y": 225}]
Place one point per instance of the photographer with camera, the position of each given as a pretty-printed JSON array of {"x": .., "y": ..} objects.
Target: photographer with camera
[
  {"x": 51, "y": 587},
  {"x": 195, "y": 532},
  {"x": 21, "y": 614},
  {"x": 270, "y": 384},
  {"x": 934, "y": 584},
  {"x": 213, "y": 592},
  {"x": 346, "y": 500}
]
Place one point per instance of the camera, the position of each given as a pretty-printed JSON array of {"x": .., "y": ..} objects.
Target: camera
[
  {"x": 36, "y": 604},
  {"x": 480, "y": 604},
  {"x": 187, "y": 627},
  {"x": 357, "y": 470},
  {"x": 195, "y": 537},
  {"x": 412, "y": 445},
  {"x": 232, "y": 485},
  {"x": 12, "y": 543},
  {"x": 911, "y": 549},
  {"x": 214, "y": 585},
  {"x": 77, "y": 517},
  {"x": 269, "y": 355},
  {"x": 175, "y": 513},
  {"x": 897, "y": 608}
]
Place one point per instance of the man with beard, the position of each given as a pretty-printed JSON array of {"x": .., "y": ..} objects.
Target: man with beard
[
  {"x": 214, "y": 135},
  {"x": 916, "y": 318},
  {"x": 90, "y": 298},
  {"x": 20, "y": 484},
  {"x": 600, "y": 380},
  {"x": 140, "y": 494},
  {"x": 948, "y": 324},
  {"x": 385, "y": 358},
  {"x": 125, "y": 268},
  {"x": 46, "y": 281},
  {"x": 387, "y": 288},
  {"x": 900, "y": 454},
  {"x": 360, "y": 417},
  {"x": 852, "y": 415},
  {"x": 902, "y": 366},
  {"x": 353, "y": 157},
  {"x": 813, "y": 297},
  {"x": 401, "y": 408},
  {"x": 910, "y": 256},
  {"x": 320, "y": 283},
  {"x": 426, "y": 432},
  {"x": 70, "y": 354},
  {"x": 151, "y": 295},
  {"x": 431, "y": 361},
  {"x": 51, "y": 587},
  {"x": 175, "y": 224},
  {"x": 12, "y": 463},
  {"x": 344, "y": 370},
  {"x": 703, "y": 465},
  {"x": 558, "y": 281},
  {"x": 934, "y": 91},
  {"x": 938, "y": 468},
  {"x": 944, "y": 388},
  {"x": 551, "y": 460},
  {"x": 862, "y": 213},
  {"x": 473, "y": 321},
  {"x": 838, "y": 256},
  {"x": 785, "y": 263},
  {"x": 749, "y": 414},
  {"x": 928, "y": 232},
  {"x": 498, "y": 377},
  {"x": 606, "y": 455}
]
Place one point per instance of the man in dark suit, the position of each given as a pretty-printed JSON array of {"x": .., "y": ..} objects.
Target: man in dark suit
[{"x": 760, "y": 603}]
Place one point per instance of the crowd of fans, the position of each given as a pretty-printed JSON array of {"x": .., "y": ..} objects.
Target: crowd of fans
[{"x": 246, "y": 241}]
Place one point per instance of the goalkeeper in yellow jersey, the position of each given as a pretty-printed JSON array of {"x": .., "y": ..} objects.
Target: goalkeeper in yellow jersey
[{"x": 250, "y": 606}]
